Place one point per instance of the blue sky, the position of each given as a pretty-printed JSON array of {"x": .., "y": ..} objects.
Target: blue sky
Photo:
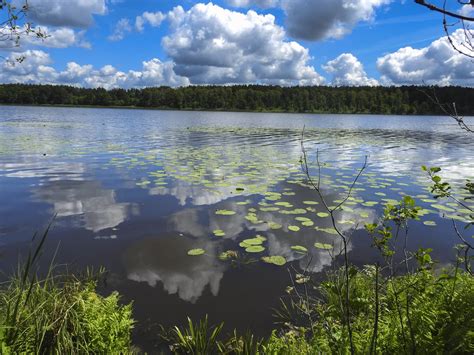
[{"x": 286, "y": 42}]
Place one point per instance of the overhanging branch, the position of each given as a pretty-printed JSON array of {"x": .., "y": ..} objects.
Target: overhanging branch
[{"x": 444, "y": 11}]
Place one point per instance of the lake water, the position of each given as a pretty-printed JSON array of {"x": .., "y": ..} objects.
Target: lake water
[{"x": 135, "y": 190}]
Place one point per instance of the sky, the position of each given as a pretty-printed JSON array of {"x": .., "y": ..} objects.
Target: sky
[{"x": 143, "y": 43}]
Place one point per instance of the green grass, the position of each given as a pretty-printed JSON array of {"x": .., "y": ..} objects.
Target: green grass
[{"x": 62, "y": 315}]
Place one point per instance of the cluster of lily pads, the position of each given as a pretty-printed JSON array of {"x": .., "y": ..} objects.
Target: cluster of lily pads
[{"x": 258, "y": 168}]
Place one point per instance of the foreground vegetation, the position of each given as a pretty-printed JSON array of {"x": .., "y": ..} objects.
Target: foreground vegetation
[
  {"x": 440, "y": 319},
  {"x": 316, "y": 99},
  {"x": 60, "y": 314},
  {"x": 417, "y": 313}
]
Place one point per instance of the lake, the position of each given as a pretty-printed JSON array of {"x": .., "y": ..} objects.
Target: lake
[{"x": 136, "y": 190}]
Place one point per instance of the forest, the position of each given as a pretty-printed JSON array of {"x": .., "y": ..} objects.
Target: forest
[{"x": 416, "y": 100}]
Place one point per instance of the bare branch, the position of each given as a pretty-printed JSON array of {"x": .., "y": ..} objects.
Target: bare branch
[
  {"x": 449, "y": 110},
  {"x": 444, "y": 11}
]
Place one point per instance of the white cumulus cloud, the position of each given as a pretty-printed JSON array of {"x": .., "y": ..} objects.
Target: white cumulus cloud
[
  {"x": 58, "y": 37},
  {"x": 74, "y": 13},
  {"x": 36, "y": 69},
  {"x": 153, "y": 19},
  {"x": 347, "y": 70},
  {"x": 438, "y": 63},
  {"x": 321, "y": 19},
  {"x": 33, "y": 69},
  {"x": 264, "y": 4},
  {"x": 122, "y": 27},
  {"x": 210, "y": 44}
]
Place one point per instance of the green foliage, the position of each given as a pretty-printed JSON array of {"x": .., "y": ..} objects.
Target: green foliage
[
  {"x": 246, "y": 344},
  {"x": 196, "y": 338},
  {"x": 399, "y": 215},
  {"x": 436, "y": 311},
  {"x": 62, "y": 315},
  {"x": 439, "y": 188},
  {"x": 317, "y": 99},
  {"x": 196, "y": 252},
  {"x": 287, "y": 344},
  {"x": 419, "y": 312}
]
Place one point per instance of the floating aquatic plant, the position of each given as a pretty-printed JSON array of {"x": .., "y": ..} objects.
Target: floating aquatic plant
[
  {"x": 225, "y": 212},
  {"x": 196, "y": 252},
  {"x": 219, "y": 233},
  {"x": 323, "y": 246},
  {"x": 299, "y": 249},
  {"x": 275, "y": 260}
]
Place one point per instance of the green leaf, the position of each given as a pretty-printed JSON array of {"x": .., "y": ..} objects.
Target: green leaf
[
  {"x": 275, "y": 260},
  {"x": 255, "y": 249},
  {"x": 196, "y": 252},
  {"x": 299, "y": 248},
  {"x": 219, "y": 233},
  {"x": 225, "y": 212},
  {"x": 274, "y": 225},
  {"x": 323, "y": 246},
  {"x": 294, "y": 228}
]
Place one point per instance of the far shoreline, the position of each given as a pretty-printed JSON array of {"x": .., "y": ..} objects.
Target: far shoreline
[{"x": 218, "y": 110}]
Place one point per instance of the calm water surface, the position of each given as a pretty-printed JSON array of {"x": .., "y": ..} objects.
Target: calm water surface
[{"x": 135, "y": 190}]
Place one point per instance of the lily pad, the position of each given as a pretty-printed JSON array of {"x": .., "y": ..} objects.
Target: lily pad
[
  {"x": 429, "y": 223},
  {"x": 269, "y": 209},
  {"x": 255, "y": 249},
  {"x": 274, "y": 225},
  {"x": 299, "y": 249},
  {"x": 284, "y": 204},
  {"x": 323, "y": 246},
  {"x": 322, "y": 214},
  {"x": 302, "y": 219},
  {"x": 295, "y": 211},
  {"x": 442, "y": 207},
  {"x": 219, "y": 233},
  {"x": 294, "y": 228},
  {"x": 196, "y": 252},
  {"x": 275, "y": 260},
  {"x": 255, "y": 241},
  {"x": 225, "y": 212}
]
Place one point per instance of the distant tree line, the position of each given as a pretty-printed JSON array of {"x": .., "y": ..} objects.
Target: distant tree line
[{"x": 315, "y": 99}]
